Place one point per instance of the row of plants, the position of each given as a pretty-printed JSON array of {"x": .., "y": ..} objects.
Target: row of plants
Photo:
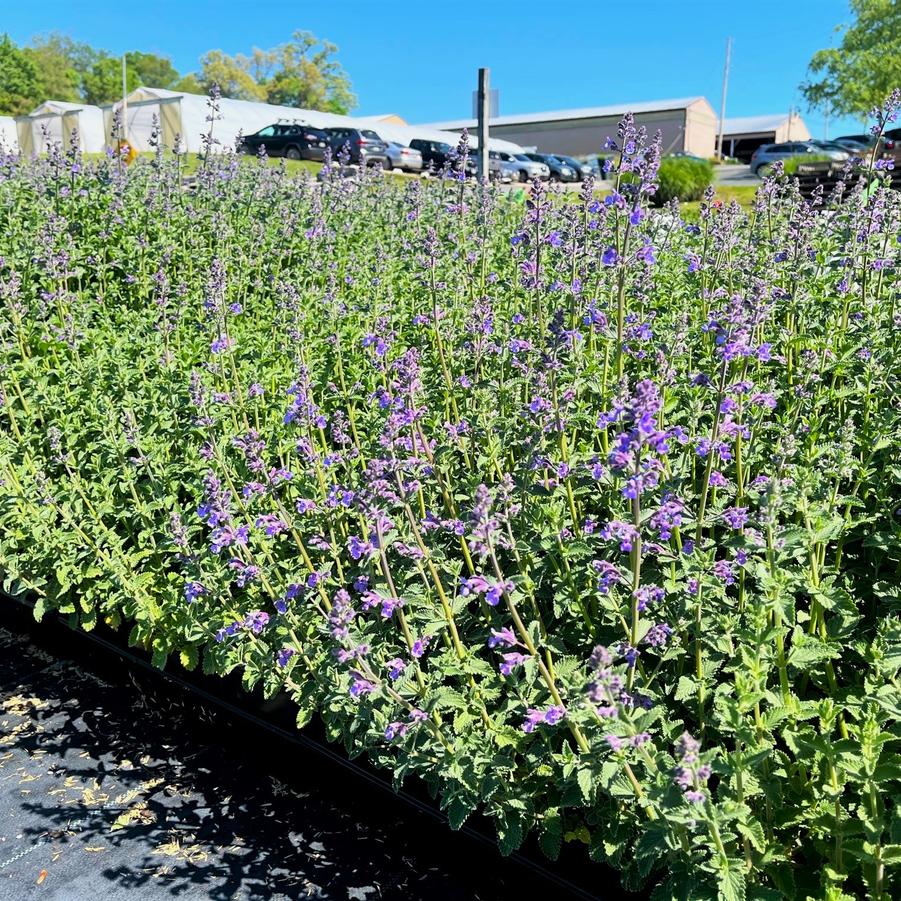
[{"x": 582, "y": 514}]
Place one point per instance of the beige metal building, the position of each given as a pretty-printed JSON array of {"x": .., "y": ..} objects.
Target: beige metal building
[
  {"x": 742, "y": 136},
  {"x": 687, "y": 124}
]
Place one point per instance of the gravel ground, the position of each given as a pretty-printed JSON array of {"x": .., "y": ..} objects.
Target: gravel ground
[{"x": 118, "y": 789}]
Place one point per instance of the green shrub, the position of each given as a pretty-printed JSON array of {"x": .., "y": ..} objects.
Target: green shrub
[
  {"x": 683, "y": 178},
  {"x": 792, "y": 163}
]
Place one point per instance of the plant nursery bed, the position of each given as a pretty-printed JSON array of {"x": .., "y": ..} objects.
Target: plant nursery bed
[
  {"x": 575, "y": 522},
  {"x": 117, "y": 776}
]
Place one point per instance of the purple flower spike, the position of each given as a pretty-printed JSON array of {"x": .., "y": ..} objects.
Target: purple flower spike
[
  {"x": 505, "y": 637},
  {"x": 193, "y": 590},
  {"x": 512, "y": 661},
  {"x": 359, "y": 685}
]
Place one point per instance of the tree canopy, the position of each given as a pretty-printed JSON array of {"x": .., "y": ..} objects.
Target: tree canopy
[
  {"x": 19, "y": 82},
  {"x": 301, "y": 72},
  {"x": 862, "y": 71}
]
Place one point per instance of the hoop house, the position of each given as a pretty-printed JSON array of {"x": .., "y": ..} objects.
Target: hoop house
[
  {"x": 56, "y": 121},
  {"x": 9, "y": 136},
  {"x": 185, "y": 115}
]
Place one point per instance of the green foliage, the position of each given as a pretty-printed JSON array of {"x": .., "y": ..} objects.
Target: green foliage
[
  {"x": 683, "y": 178},
  {"x": 232, "y": 74},
  {"x": 103, "y": 81},
  {"x": 60, "y": 63},
  {"x": 152, "y": 70},
  {"x": 305, "y": 75},
  {"x": 19, "y": 81},
  {"x": 791, "y": 164},
  {"x": 856, "y": 76},
  {"x": 301, "y": 72},
  {"x": 298, "y": 73},
  {"x": 226, "y": 403}
]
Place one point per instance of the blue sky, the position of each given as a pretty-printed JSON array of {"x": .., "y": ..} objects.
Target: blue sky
[{"x": 421, "y": 63}]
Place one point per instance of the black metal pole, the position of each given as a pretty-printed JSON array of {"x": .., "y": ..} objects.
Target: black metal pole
[{"x": 482, "y": 133}]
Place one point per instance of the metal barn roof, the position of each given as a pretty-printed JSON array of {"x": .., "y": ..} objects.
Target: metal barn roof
[
  {"x": 753, "y": 124},
  {"x": 590, "y": 112}
]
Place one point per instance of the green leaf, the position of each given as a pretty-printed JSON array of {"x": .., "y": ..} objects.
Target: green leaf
[
  {"x": 458, "y": 810},
  {"x": 753, "y": 831},
  {"x": 551, "y": 836},
  {"x": 731, "y": 879},
  {"x": 510, "y": 835},
  {"x": 685, "y": 689},
  {"x": 586, "y": 783}
]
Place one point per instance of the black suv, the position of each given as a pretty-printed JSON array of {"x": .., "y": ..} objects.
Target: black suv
[
  {"x": 435, "y": 154},
  {"x": 293, "y": 140},
  {"x": 364, "y": 146}
]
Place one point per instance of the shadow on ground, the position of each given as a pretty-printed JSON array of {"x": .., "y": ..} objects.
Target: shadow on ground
[{"x": 124, "y": 791}]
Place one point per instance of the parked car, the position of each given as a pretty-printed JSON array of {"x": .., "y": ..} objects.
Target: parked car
[
  {"x": 293, "y": 140},
  {"x": 498, "y": 170},
  {"x": 560, "y": 171},
  {"x": 402, "y": 157},
  {"x": 833, "y": 146},
  {"x": 583, "y": 170},
  {"x": 363, "y": 145},
  {"x": 525, "y": 168},
  {"x": 891, "y": 145},
  {"x": 435, "y": 154},
  {"x": 856, "y": 146},
  {"x": 502, "y": 171},
  {"x": 865, "y": 139},
  {"x": 767, "y": 154}
]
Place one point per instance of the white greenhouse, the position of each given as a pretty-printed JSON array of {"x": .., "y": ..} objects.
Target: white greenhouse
[
  {"x": 185, "y": 115},
  {"x": 56, "y": 121},
  {"x": 9, "y": 137}
]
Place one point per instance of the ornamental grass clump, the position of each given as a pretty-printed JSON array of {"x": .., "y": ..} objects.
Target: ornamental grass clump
[{"x": 584, "y": 515}]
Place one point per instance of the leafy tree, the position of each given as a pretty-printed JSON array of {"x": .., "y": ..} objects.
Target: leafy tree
[
  {"x": 19, "y": 81},
  {"x": 103, "y": 83},
  {"x": 61, "y": 64},
  {"x": 300, "y": 73},
  {"x": 856, "y": 76},
  {"x": 232, "y": 74},
  {"x": 152, "y": 70},
  {"x": 190, "y": 84},
  {"x": 304, "y": 74}
]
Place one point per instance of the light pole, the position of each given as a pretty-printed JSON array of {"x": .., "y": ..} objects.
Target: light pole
[
  {"x": 482, "y": 103},
  {"x": 719, "y": 143}
]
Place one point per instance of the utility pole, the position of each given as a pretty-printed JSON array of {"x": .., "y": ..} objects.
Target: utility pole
[
  {"x": 826, "y": 125},
  {"x": 482, "y": 101},
  {"x": 719, "y": 143},
  {"x": 124, "y": 125}
]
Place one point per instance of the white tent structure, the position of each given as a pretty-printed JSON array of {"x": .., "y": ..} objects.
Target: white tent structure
[
  {"x": 185, "y": 115},
  {"x": 55, "y": 121},
  {"x": 9, "y": 136}
]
